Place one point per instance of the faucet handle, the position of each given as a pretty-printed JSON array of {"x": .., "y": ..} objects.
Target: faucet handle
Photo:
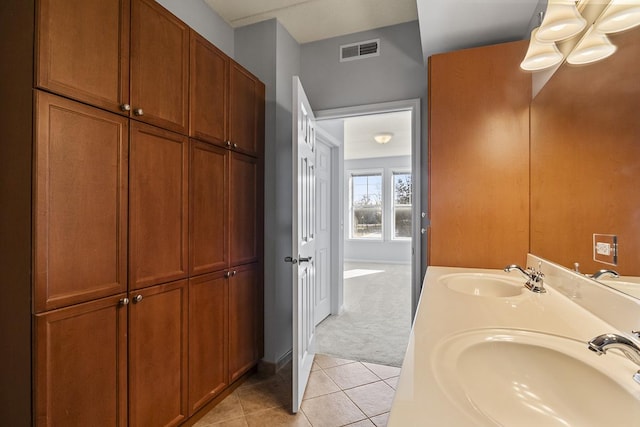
[{"x": 636, "y": 334}]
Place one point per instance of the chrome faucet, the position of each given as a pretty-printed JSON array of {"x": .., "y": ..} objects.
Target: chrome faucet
[
  {"x": 604, "y": 342},
  {"x": 599, "y": 273},
  {"x": 535, "y": 282}
]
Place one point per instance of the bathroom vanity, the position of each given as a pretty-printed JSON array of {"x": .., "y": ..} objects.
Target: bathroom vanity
[{"x": 486, "y": 351}]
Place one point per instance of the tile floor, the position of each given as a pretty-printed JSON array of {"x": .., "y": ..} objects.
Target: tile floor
[{"x": 340, "y": 392}]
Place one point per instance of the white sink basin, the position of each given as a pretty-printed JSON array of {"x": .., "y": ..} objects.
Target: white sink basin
[
  {"x": 629, "y": 288},
  {"x": 483, "y": 284},
  {"x": 504, "y": 377}
]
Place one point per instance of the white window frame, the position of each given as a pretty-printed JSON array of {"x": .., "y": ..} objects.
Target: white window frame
[
  {"x": 361, "y": 172},
  {"x": 392, "y": 220}
]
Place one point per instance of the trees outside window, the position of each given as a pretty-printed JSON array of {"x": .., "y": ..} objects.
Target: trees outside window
[
  {"x": 402, "y": 191},
  {"x": 366, "y": 206}
]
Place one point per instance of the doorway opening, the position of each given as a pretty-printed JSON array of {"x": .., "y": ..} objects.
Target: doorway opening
[{"x": 373, "y": 255}]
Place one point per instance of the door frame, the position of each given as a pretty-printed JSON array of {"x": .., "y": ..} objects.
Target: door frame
[{"x": 418, "y": 218}]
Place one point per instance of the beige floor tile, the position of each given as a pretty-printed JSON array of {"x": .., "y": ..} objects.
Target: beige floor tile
[
  {"x": 268, "y": 394},
  {"x": 325, "y": 361},
  {"x": 331, "y": 410},
  {"x": 278, "y": 417},
  {"x": 381, "y": 420},
  {"x": 351, "y": 375},
  {"x": 319, "y": 383},
  {"x": 383, "y": 371},
  {"x": 393, "y": 382},
  {"x": 315, "y": 367},
  {"x": 228, "y": 409},
  {"x": 363, "y": 423},
  {"x": 373, "y": 399},
  {"x": 236, "y": 422}
]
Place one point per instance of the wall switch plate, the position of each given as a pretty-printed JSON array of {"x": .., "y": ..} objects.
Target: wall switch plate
[{"x": 605, "y": 248}]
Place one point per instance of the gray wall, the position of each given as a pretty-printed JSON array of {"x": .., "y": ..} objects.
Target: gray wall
[
  {"x": 267, "y": 50},
  {"x": 204, "y": 20},
  {"x": 385, "y": 250}
]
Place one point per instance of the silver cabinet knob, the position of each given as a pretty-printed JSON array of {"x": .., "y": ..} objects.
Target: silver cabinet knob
[
  {"x": 125, "y": 107},
  {"x": 235, "y": 145},
  {"x": 228, "y": 143},
  {"x": 423, "y": 230},
  {"x": 138, "y": 112},
  {"x": 234, "y": 272},
  {"x": 227, "y": 274},
  {"x": 124, "y": 301},
  {"x": 137, "y": 298}
]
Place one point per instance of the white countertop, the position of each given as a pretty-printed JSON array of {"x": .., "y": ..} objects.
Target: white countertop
[{"x": 442, "y": 312}]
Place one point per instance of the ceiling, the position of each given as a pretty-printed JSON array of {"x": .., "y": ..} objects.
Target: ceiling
[
  {"x": 359, "y": 132},
  {"x": 311, "y": 20}
]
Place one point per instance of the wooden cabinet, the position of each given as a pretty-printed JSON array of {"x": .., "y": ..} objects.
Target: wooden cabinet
[
  {"x": 245, "y": 210},
  {"x": 246, "y": 100},
  {"x": 158, "y": 203},
  {"x": 245, "y": 319},
  {"x": 208, "y": 338},
  {"x": 80, "y": 205},
  {"x": 479, "y": 157},
  {"x": 158, "y": 320},
  {"x": 208, "y": 208},
  {"x": 209, "y": 89},
  {"x": 81, "y": 365},
  {"x": 159, "y": 66},
  {"x": 83, "y": 50}
]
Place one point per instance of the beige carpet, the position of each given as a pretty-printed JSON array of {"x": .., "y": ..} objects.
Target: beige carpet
[{"x": 376, "y": 321}]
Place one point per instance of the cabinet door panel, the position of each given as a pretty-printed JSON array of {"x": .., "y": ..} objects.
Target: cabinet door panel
[
  {"x": 80, "y": 206},
  {"x": 159, "y": 66},
  {"x": 208, "y": 91},
  {"x": 157, "y": 206},
  {"x": 83, "y": 50},
  {"x": 158, "y": 355},
  {"x": 243, "y": 109},
  {"x": 245, "y": 210},
  {"x": 208, "y": 338},
  {"x": 209, "y": 212},
  {"x": 244, "y": 320},
  {"x": 80, "y": 365}
]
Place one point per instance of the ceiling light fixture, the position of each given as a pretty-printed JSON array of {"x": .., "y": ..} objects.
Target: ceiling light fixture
[
  {"x": 561, "y": 21},
  {"x": 620, "y": 15},
  {"x": 594, "y": 46},
  {"x": 383, "y": 138},
  {"x": 540, "y": 55}
]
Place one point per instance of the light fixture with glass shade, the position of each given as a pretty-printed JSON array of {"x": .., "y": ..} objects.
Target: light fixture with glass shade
[
  {"x": 383, "y": 137},
  {"x": 561, "y": 21},
  {"x": 594, "y": 46},
  {"x": 540, "y": 55},
  {"x": 620, "y": 15}
]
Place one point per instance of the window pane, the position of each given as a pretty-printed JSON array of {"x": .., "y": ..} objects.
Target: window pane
[
  {"x": 366, "y": 205},
  {"x": 402, "y": 190}
]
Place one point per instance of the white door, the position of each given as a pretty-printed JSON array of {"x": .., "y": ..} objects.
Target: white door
[
  {"x": 303, "y": 242},
  {"x": 322, "y": 301}
]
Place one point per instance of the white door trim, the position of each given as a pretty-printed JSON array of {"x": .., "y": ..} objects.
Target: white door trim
[{"x": 412, "y": 105}]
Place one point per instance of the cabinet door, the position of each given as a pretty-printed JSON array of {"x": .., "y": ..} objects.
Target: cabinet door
[
  {"x": 80, "y": 205},
  {"x": 83, "y": 50},
  {"x": 245, "y": 320},
  {"x": 208, "y": 338},
  {"x": 158, "y": 203},
  {"x": 159, "y": 66},
  {"x": 209, "y": 212},
  {"x": 244, "y": 107},
  {"x": 158, "y": 355},
  {"x": 245, "y": 209},
  {"x": 208, "y": 91},
  {"x": 80, "y": 366}
]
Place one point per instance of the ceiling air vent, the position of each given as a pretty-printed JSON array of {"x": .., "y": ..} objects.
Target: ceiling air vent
[{"x": 367, "y": 49}]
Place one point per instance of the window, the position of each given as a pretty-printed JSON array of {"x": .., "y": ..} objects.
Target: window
[
  {"x": 402, "y": 190},
  {"x": 366, "y": 206}
]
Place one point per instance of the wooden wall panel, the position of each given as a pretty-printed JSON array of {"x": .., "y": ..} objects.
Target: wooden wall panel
[
  {"x": 479, "y": 157},
  {"x": 585, "y": 160}
]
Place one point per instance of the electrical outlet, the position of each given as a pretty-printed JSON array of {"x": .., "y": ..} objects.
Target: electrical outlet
[{"x": 605, "y": 248}]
